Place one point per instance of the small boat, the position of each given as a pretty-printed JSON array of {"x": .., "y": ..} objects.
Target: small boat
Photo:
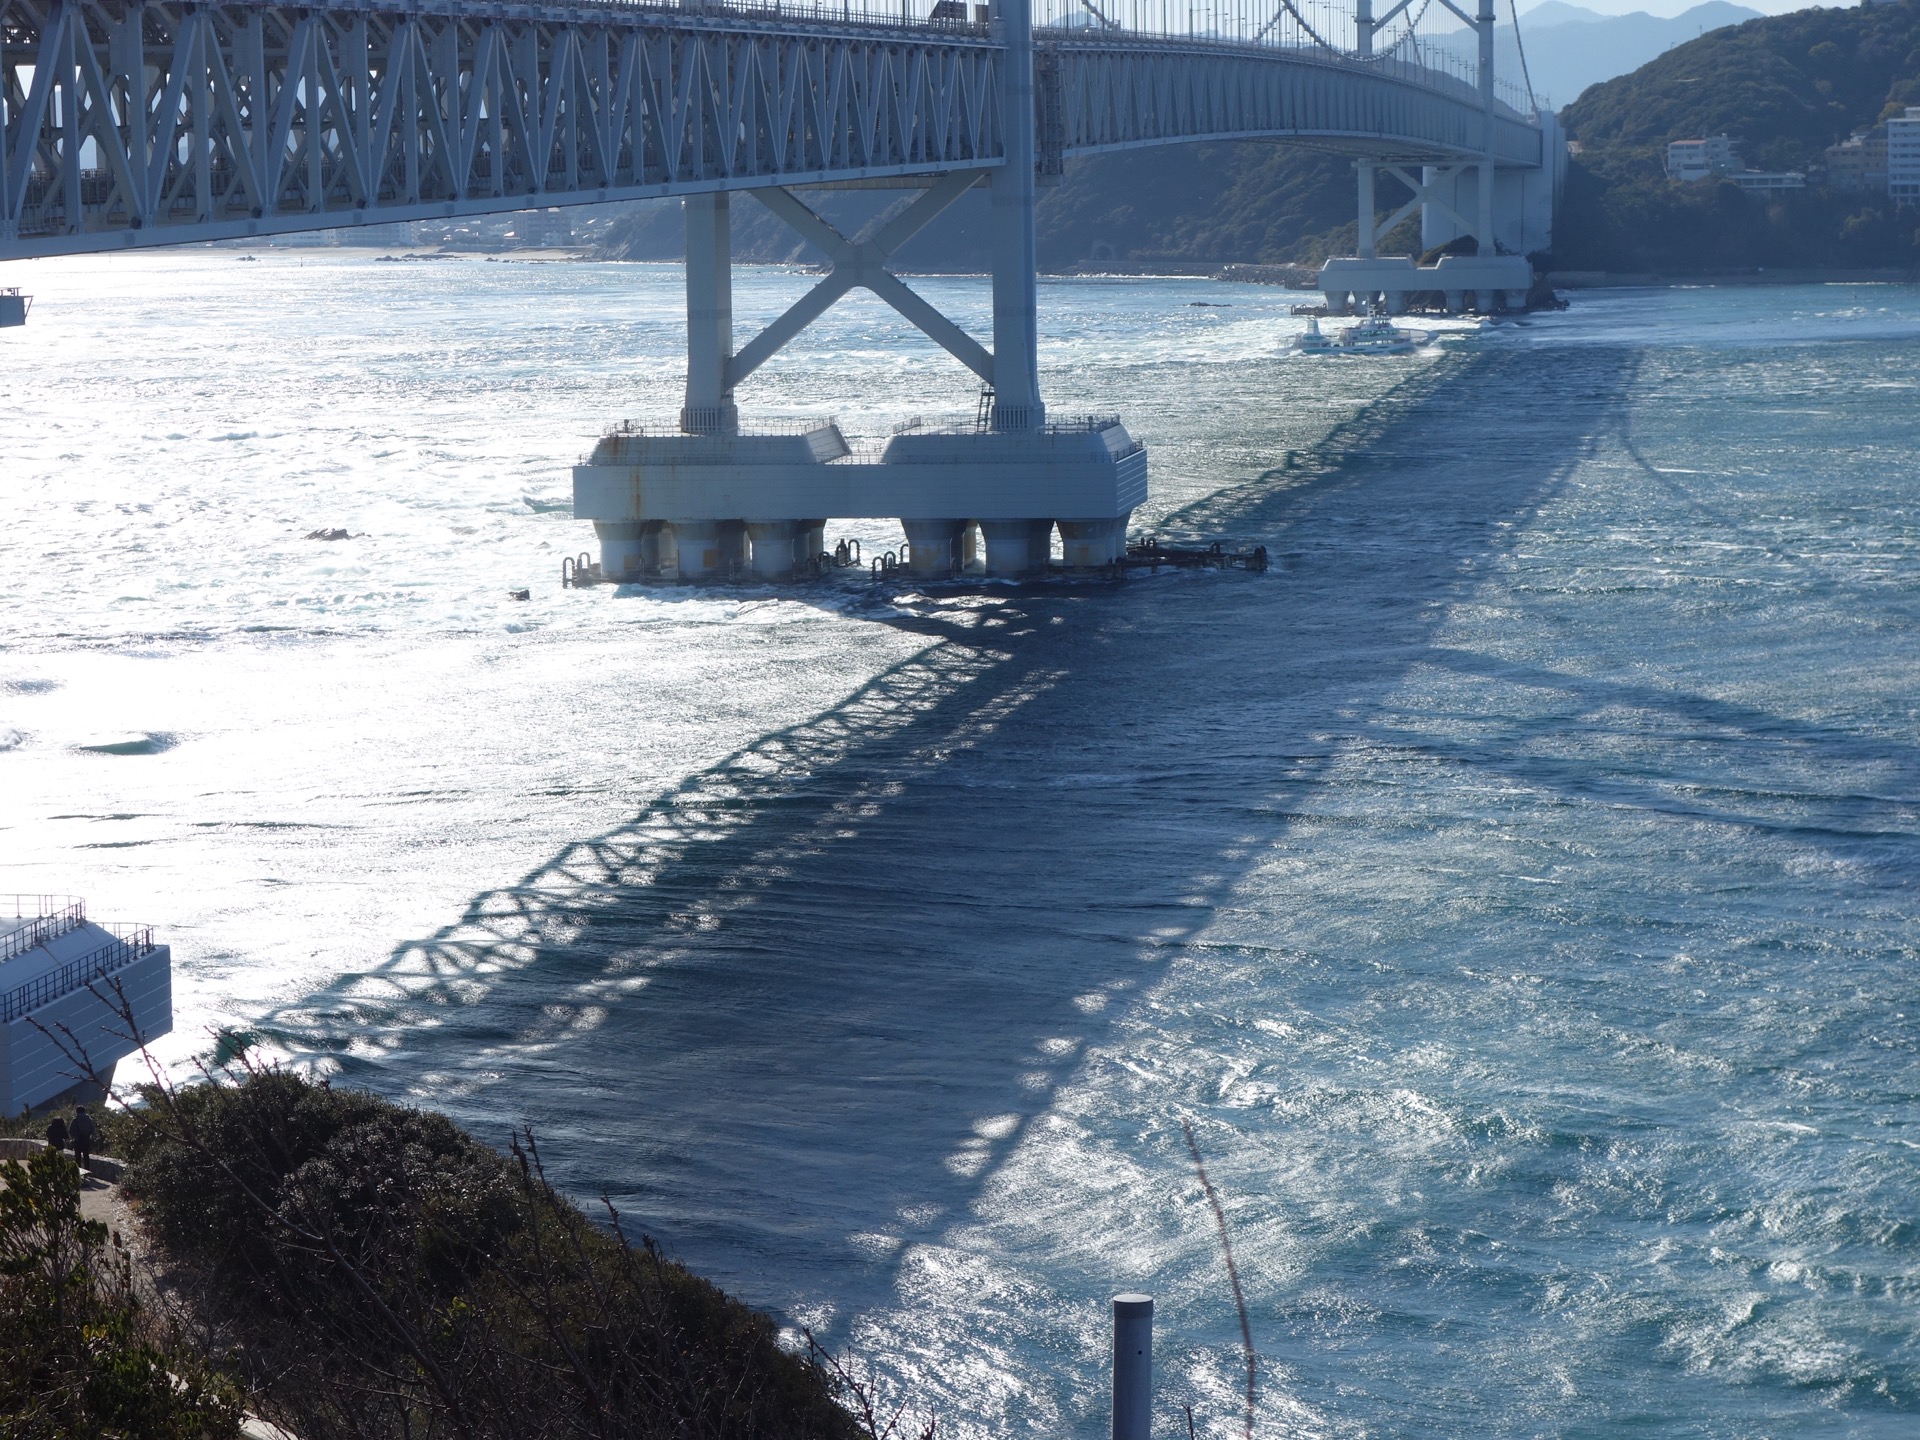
[
  {"x": 1311, "y": 341},
  {"x": 1377, "y": 335},
  {"x": 14, "y": 306},
  {"x": 540, "y": 505}
]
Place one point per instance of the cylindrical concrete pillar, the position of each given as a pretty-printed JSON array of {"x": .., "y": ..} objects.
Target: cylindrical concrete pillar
[
  {"x": 1017, "y": 547},
  {"x": 697, "y": 543},
  {"x": 811, "y": 544},
  {"x": 622, "y": 547},
  {"x": 656, "y": 546},
  {"x": 1132, "y": 1366},
  {"x": 1456, "y": 301},
  {"x": 973, "y": 548},
  {"x": 1092, "y": 544},
  {"x": 733, "y": 546},
  {"x": 933, "y": 547},
  {"x": 773, "y": 543}
]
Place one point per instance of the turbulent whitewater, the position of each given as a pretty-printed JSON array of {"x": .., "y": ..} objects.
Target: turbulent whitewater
[{"x": 1514, "y": 888}]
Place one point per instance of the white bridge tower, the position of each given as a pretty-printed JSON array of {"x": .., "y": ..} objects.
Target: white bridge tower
[{"x": 717, "y": 500}]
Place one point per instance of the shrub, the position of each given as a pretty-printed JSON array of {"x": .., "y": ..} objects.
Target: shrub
[
  {"x": 380, "y": 1273},
  {"x": 79, "y": 1357}
]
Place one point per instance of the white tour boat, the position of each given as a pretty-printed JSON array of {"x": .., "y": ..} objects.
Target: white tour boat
[
  {"x": 1377, "y": 335},
  {"x": 1311, "y": 341}
]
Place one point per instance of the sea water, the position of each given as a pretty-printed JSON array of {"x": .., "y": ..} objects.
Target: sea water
[{"x": 1512, "y": 889}]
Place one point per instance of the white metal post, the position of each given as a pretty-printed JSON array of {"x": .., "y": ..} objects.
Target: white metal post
[
  {"x": 1364, "y": 169},
  {"x": 1016, "y": 357},
  {"x": 709, "y": 406},
  {"x": 1132, "y": 1366},
  {"x": 1485, "y": 26}
]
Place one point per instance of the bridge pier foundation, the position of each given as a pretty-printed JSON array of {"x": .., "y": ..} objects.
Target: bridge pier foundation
[
  {"x": 933, "y": 547},
  {"x": 1092, "y": 544},
  {"x": 775, "y": 546},
  {"x": 1017, "y": 548},
  {"x": 622, "y": 547}
]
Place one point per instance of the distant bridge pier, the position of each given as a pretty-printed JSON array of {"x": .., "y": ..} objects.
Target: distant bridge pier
[
  {"x": 1506, "y": 207},
  {"x": 717, "y": 501}
]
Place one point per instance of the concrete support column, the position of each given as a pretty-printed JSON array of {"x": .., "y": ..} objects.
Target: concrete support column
[
  {"x": 709, "y": 408},
  {"x": 733, "y": 546},
  {"x": 774, "y": 546},
  {"x": 1484, "y": 24},
  {"x": 1396, "y": 302},
  {"x": 933, "y": 547},
  {"x": 1017, "y": 547},
  {"x": 1455, "y": 301},
  {"x": 656, "y": 546},
  {"x": 1016, "y": 356},
  {"x": 1364, "y": 170},
  {"x": 811, "y": 543},
  {"x": 1093, "y": 544},
  {"x": 973, "y": 547},
  {"x": 707, "y": 549},
  {"x": 697, "y": 549},
  {"x": 622, "y": 547}
]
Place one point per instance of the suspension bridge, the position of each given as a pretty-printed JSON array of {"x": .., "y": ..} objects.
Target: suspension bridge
[{"x": 130, "y": 123}]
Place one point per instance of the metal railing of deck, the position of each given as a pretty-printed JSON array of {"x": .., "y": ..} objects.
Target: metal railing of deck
[
  {"x": 76, "y": 974},
  {"x": 51, "y": 919}
]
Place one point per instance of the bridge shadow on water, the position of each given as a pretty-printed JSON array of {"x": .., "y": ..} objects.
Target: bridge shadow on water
[{"x": 791, "y": 1014}]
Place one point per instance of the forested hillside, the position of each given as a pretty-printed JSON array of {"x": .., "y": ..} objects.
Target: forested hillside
[
  {"x": 1218, "y": 203},
  {"x": 1786, "y": 86}
]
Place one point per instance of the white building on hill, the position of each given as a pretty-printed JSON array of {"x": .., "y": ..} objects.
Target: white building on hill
[
  {"x": 1707, "y": 159},
  {"x": 1903, "y": 157}
]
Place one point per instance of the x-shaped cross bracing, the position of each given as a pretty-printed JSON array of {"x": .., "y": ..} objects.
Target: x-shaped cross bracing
[
  {"x": 1422, "y": 195},
  {"x": 861, "y": 262}
]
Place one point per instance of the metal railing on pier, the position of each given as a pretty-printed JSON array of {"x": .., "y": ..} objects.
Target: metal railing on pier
[
  {"x": 77, "y": 974},
  {"x": 52, "y": 918}
]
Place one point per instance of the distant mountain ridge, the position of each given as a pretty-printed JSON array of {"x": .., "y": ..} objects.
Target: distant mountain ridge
[{"x": 1569, "y": 48}]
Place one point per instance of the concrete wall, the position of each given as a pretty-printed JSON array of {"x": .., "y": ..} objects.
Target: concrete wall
[{"x": 32, "y": 1068}]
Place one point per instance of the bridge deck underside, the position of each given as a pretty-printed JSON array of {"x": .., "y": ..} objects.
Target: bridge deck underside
[{"x": 125, "y": 125}]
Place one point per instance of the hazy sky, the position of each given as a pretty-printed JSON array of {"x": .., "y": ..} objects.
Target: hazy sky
[{"x": 1659, "y": 7}]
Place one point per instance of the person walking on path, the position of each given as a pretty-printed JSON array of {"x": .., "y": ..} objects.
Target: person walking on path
[
  {"x": 56, "y": 1134},
  {"x": 82, "y": 1132}
]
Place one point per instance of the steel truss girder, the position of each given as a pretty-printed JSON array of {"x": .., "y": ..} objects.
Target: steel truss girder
[
  {"x": 1115, "y": 94},
  {"x": 124, "y": 122},
  {"x": 142, "y": 122}
]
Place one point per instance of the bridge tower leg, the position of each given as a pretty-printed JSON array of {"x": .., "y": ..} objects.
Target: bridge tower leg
[
  {"x": 709, "y": 408},
  {"x": 1016, "y": 356},
  {"x": 1364, "y": 170},
  {"x": 1484, "y": 233}
]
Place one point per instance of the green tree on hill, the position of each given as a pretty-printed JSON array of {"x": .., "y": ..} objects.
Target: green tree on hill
[
  {"x": 1786, "y": 87},
  {"x": 79, "y": 1357}
]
